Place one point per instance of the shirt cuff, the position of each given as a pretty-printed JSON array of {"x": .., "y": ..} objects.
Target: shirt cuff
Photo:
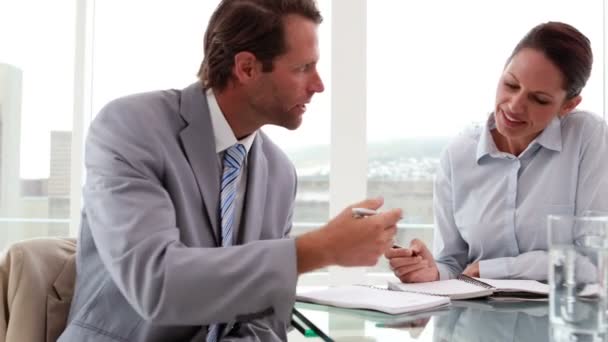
[{"x": 494, "y": 268}]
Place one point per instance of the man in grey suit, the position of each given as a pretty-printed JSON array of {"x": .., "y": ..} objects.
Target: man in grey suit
[{"x": 188, "y": 205}]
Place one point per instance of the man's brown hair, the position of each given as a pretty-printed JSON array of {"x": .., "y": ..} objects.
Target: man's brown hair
[{"x": 256, "y": 26}]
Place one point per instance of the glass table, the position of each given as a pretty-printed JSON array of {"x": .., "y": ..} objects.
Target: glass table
[{"x": 477, "y": 320}]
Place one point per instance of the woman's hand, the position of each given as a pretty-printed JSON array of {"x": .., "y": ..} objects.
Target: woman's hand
[
  {"x": 414, "y": 264},
  {"x": 472, "y": 270}
]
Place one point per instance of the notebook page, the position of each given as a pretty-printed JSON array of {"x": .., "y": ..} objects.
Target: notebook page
[
  {"x": 516, "y": 285},
  {"x": 453, "y": 288},
  {"x": 363, "y": 297}
]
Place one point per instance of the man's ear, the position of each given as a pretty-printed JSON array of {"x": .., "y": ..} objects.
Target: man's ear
[
  {"x": 246, "y": 67},
  {"x": 569, "y": 105}
]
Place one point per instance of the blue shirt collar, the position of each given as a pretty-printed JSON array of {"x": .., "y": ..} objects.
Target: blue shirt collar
[{"x": 550, "y": 138}]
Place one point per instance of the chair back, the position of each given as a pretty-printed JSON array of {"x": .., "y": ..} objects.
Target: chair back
[{"x": 37, "y": 279}]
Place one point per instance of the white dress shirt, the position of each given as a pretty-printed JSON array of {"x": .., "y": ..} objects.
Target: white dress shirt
[
  {"x": 224, "y": 139},
  {"x": 491, "y": 206}
]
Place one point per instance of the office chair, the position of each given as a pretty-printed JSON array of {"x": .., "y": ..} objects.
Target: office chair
[{"x": 36, "y": 287}]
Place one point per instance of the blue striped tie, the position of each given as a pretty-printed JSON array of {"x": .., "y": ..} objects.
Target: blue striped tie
[{"x": 233, "y": 160}]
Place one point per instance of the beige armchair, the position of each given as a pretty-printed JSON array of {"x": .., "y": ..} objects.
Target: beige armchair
[{"x": 36, "y": 286}]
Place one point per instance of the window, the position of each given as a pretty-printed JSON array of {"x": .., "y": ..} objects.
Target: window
[
  {"x": 308, "y": 146},
  {"x": 162, "y": 49},
  {"x": 440, "y": 74},
  {"x": 36, "y": 111},
  {"x": 398, "y": 97},
  {"x": 137, "y": 58}
]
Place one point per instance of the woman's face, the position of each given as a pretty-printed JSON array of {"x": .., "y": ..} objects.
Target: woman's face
[{"x": 529, "y": 95}]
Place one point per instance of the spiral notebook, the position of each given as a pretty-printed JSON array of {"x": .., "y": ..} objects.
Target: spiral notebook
[
  {"x": 465, "y": 287},
  {"x": 373, "y": 298}
]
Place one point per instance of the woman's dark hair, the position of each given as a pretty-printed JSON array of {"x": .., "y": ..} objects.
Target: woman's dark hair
[
  {"x": 256, "y": 26},
  {"x": 566, "y": 47}
]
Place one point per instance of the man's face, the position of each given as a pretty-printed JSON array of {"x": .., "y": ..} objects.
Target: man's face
[{"x": 280, "y": 97}]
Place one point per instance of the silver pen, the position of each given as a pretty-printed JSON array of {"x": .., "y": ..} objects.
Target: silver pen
[{"x": 363, "y": 212}]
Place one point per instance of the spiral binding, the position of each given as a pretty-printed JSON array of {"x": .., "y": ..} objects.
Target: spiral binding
[
  {"x": 373, "y": 287},
  {"x": 474, "y": 281},
  {"x": 410, "y": 291}
]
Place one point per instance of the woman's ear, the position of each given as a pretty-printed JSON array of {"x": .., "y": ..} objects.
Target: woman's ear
[{"x": 569, "y": 105}]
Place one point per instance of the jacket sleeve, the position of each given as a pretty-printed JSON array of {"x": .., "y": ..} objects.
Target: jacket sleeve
[{"x": 133, "y": 224}]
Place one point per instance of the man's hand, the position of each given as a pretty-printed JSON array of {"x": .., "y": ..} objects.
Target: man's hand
[
  {"x": 472, "y": 270},
  {"x": 349, "y": 241},
  {"x": 414, "y": 264}
]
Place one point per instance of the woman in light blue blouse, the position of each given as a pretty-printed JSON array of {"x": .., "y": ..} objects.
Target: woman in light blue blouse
[{"x": 535, "y": 156}]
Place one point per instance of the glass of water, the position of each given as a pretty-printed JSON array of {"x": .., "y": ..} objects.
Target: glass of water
[{"x": 578, "y": 276}]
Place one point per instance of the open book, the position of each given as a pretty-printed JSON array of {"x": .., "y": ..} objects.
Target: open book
[
  {"x": 373, "y": 298},
  {"x": 465, "y": 287}
]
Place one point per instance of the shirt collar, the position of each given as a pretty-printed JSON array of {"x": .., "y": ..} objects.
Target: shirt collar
[
  {"x": 486, "y": 144},
  {"x": 224, "y": 137},
  {"x": 550, "y": 138}
]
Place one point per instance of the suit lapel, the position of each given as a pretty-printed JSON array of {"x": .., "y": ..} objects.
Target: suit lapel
[
  {"x": 255, "y": 196},
  {"x": 199, "y": 145}
]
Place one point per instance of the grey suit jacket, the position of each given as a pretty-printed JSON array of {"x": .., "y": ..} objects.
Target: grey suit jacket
[{"x": 147, "y": 264}]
